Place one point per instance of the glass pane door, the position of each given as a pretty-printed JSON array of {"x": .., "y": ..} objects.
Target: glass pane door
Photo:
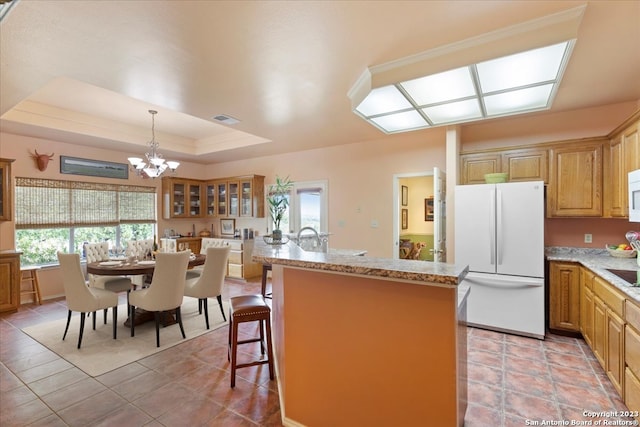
[
  {"x": 222, "y": 199},
  {"x": 178, "y": 199},
  {"x": 194, "y": 199},
  {"x": 245, "y": 198},
  {"x": 233, "y": 199},
  {"x": 211, "y": 199}
]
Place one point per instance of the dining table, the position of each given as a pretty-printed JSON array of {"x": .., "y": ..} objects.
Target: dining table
[{"x": 124, "y": 267}]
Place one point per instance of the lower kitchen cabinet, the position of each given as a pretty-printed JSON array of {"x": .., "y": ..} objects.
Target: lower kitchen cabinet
[
  {"x": 9, "y": 280},
  {"x": 586, "y": 305},
  {"x": 615, "y": 350},
  {"x": 632, "y": 356},
  {"x": 599, "y": 330},
  {"x": 564, "y": 297},
  {"x": 240, "y": 265}
]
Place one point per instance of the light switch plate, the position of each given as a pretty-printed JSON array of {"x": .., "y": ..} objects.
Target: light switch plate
[{"x": 588, "y": 238}]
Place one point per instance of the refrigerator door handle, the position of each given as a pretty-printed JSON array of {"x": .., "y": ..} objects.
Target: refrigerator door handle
[
  {"x": 504, "y": 283},
  {"x": 492, "y": 229},
  {"x": 499, "y": 231}
]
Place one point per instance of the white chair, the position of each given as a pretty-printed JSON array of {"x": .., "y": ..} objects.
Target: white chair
[
  {"x": 97, "y": 252},
  {"x": 210, "y": 282},
  {"x": 82, "y": 298},
  {"x": 207, "y": 242},
  {"x": 165, "y": 292},
  {"x": 139, "y": 249}
]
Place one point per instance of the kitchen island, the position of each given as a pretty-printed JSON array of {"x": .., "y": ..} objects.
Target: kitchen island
[{"x": 367, "y": 341}]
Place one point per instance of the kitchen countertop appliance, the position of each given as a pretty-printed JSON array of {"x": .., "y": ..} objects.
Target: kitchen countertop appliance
[{"x": 499, "y": 233}]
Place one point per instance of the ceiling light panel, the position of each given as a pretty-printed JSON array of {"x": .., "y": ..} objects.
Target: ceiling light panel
[
  {"x": 400, "y": 122},
  {"x": 535, "y": 98},
  {"x": 441, "y": 87},
  {"x": 522, "y": 69},
  {"x": 454, "y": 112},
  {"x": 383, "y": 100}
]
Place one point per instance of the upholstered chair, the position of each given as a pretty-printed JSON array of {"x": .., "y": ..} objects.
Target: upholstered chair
[
  {"x": 207, "y": 242},
  {"x": 81, "y": 298},
  {"x": 97, "y": 252},
  {"x": 165, "y": 292},
  {"x": 138, "y": 249},
  {"x": 210, "y": 282}
]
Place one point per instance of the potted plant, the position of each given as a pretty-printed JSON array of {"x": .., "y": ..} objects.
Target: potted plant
[{"x": 278, "y": 202}]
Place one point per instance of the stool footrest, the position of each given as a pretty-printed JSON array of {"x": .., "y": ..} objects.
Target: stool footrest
[
  {"x": 248, "y": 341},
  {"x": 246, "y": 365}
]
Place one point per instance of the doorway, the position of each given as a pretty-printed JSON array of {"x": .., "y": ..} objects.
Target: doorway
[{"x": 414, "y": 226}]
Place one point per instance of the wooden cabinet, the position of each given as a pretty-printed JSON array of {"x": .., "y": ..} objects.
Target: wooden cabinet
[
  {"x": 615, "y": 350},
  {"x": 522, "y": 164},
  {"x": 475, "y": 165},
  {"x": 6, "y": 190},
  {"x": 623, "y": 157},
  {"x": 564, "y": 297},
  {"x": 575, "y": 180},
  {"x": 241, "y": 196},
  {"x": 239, "y": 265},
  {"x": 586, "y": 305},
  {"x": 632, "y": 356},
  {"x": 9, "y": 280},
  {"x": 182, "y": 198},
  {"x": 193, "y": 243}
]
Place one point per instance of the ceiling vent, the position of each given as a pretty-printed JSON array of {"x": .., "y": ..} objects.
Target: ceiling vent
[{"x": 227, "y": 120}]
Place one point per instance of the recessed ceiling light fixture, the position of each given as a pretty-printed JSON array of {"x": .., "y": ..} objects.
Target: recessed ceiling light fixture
[{"x": 515, "y": 83}]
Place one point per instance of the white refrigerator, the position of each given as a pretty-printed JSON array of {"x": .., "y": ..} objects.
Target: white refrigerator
[{"x": 499, "y": 233}]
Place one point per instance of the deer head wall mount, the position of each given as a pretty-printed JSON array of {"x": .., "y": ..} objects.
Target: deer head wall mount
[{"x": 42, "y": 160}]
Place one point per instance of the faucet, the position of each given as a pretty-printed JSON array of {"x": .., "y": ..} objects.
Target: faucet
[{"x": 317, "y": 236}]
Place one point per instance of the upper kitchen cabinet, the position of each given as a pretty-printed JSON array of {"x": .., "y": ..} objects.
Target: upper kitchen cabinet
[
  {"x": 521, "y": 164},
  {"x": 6, "y": 197},
  {"x": 575, "y": 179},
  {"x": 473, "y": 166},
  {"x": 182, "y": 198},
  {"x": 623, "y": 157},
  {"x": 241, "y": 196}
]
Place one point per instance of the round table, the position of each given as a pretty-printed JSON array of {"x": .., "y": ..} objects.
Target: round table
[{"x": 126, "y": 269}]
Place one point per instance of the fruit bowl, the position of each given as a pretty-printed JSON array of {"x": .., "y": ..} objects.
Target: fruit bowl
[{"x": 618, "y": 253}]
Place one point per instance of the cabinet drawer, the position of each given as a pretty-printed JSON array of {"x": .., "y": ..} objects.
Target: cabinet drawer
[
  {"x": 632, "y": 350},
  {"x": 235, "y": 270},
  {"x": 611, "y": 298},
  {"x": 235, "y": 257},
  {"x": 632, "y": 314},
  {"x": 236, "y": 245},
  {"x": 631, "y": 391}
]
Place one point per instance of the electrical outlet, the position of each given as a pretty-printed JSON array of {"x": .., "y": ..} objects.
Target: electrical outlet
[
  {"x": 588, "y": 238},
  {"x": 374, "y": 223}
]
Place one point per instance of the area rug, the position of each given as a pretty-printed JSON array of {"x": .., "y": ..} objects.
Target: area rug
[{"x": 100, "y": 353}]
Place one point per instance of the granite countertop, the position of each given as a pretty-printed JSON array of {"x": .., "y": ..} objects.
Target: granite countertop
[
  {"x": 598, "y": 261},
  {"x": 348, "y": 261}
]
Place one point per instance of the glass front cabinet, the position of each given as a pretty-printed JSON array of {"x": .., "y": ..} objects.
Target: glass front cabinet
[
  {"x": 241, "y": 196},
  {"x": 6, "y": 197}
]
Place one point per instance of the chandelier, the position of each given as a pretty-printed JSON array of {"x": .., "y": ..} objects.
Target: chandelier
[{"x": 155, "y": 164}]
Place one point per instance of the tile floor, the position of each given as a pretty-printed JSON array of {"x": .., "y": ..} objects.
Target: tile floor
[{"x": 511, "y": 380}]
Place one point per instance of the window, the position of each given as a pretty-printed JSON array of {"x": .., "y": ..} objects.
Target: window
[
  {"x": 307, "y": 207},
  {"x": 78, "y": 212}
]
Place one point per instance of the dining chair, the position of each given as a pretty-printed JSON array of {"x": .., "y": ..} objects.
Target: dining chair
[
  {"x": 81, "y": 298},
  {"x": 139, "y": 249},
  {"x": 206, "y": 242},
  {"x": 209, "y": 283},
  {"x": 165, "y": 292},
  {"x": 99, "y": 252}
]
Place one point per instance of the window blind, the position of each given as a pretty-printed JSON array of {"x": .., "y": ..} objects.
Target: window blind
[{"x": 47, "y": 203}]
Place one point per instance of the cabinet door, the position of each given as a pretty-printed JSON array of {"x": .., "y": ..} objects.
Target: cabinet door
[
  {"x": 617, "y": 180},
  {"x": 222, "y": 198},
  {"x": 586, "y": 314},
  {"x": 632, "y": 392},
  {"x": 6, "y": 198},
  {"x": 632, "y": 349},
  {"x": 246, "y": 197},
  {"x": 575, "y": 181},
  {"x": 615, "y": 350},
  {"x": 210, "y": 199},
  {"x": 631, "y": 148},
  {"x": 194, "y": 199},
  {"x": 526, "y": 165},
  {"x": 599, "y": 330},
  {"x": 179, "y": 199},
  {"x": 564, "y": 297},
  {"x": 233, "y": 188},
  {"x": 475, "y": 166}
]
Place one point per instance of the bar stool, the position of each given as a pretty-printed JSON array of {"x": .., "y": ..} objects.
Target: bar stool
[
  {"x": 249, "y": 308},
  {"x": 265, "y": 269},
  {"x": 30, "y": 274}
]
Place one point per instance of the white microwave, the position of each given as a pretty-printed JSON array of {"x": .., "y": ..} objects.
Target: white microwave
[{"x": 634, "y": 196}]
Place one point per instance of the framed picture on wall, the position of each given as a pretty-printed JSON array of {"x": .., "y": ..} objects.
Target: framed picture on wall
[
  {"x": 405, "y": 195},
  {"x": 428, "y": 209},
  {"x": 405, "y": 219},
  {"x": 227, "y": 227}
]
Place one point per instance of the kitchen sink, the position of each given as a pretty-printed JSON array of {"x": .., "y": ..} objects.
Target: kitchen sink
[{"x": 631, "y": 276}]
